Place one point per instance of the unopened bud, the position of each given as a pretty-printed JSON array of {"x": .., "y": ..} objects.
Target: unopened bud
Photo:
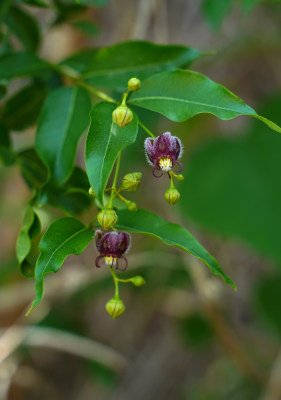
[
  {"x": 179, "y": 177},
  {"x": 92, "y": 193},
  {"x": 137, "y": 280},
  {"x": 172, "y": 195},
  {"x": 107, "y": 218},
  {"x": 134, "y": 84},
  {"x": 115, "y": 307},
  {"x": 122, "y": 116},
  {"x": 131, "y": 205},
  {"x": 131, "y": 182}
]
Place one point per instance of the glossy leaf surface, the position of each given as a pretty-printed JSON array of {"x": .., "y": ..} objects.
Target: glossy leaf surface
[
  {"x": 179, "y": 95},
  {"x": 146, "y": 222},
  {"x": 113, "y": 66},
  {"x": 64, "y": 237},
  {"x": 30, "y": 229},
  {"x": 20, "y": 64},
  {"x": 63, "y": 119},
  {"x": 22, "y": 109},
  {"x": 24, "y": 26},
  {"x": 104, "y": 141}
]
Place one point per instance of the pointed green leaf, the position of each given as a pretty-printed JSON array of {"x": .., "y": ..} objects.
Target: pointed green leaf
[
  {"x": 24, "y": 26},
  {"x": 20, "y": 64},
  {"x": 33, "y": 170},
  {"x": 30, "y": 229},
  {"x": 104, "y": 141},
  {"x": 64, "y": 237},
  {"x": 148, "y": 223},
  {"x": 179, "y": 95},
  {"x": 63, "y": 119},
  {"x": 22, "y": 109},
  {"x": 113, "y": 66}
]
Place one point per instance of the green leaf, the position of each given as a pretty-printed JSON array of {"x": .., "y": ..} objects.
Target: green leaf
[
  {"x": 63, "y": 119},
  {"x": 25, "y": 27},
  {"x": 215, "y": 11},
  {"x": 104, "y": 141},
  {"x": 33, "y": 170},
  {"x": 22, "y": 109},
  {"x": 179, "y": 95},
  {"x": 151, "y": 224},
  {"x": 6, "y": 153},
  {"x": 36, "y": 3},
  {"x": 30, "y": 229},
  {"x": 64, "y": 237},
  {"x": 113, "y": 66},
  {"x": 20, "y": 64},
  {"x": 79, "y": 61},
  {"x": 233, "y": 187},
  {"x": 72, "y": 197}
]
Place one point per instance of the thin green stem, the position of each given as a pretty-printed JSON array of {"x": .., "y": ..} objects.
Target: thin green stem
[
  {"x": 113, "y": 187},
  {"x": 146, "y": 129},
  {"x": 115, "y": 281},
  {"x": 75, "y": 77}
]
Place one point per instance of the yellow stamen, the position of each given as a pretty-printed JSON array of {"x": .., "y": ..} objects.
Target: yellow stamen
[
  {"x": 165, "y": 163},
  {"x": 110, "y": 260}
]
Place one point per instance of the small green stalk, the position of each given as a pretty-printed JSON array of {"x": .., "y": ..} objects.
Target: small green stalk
[
  {"x": 113, "y": 187},
  {"x": 146, "y": 129},
  {"x": 115, "y": 281}
]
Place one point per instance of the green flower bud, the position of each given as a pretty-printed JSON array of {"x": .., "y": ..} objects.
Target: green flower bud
[
  {"x": 179, "y": 177},
  {"x": 92, "y": 193},
  {"x": 131, "y": 182},
  {"x": 137, "y": 280},
  {"x": 122, "y": 116},
  {"x": 172, "y": 195},
  {"x": 134, "y": 84},
  {"x": 115, "y": 307},
  {"x": 107, "y": 218},
  {"x": 131, "y": 205}
]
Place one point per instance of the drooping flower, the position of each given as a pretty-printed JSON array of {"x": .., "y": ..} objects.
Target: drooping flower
[
  {"x": 112, "y": 246},
  {"x": 163, "y": 152}
]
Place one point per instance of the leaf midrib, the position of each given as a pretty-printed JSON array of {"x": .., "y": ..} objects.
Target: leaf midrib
[
  {"x": 105, "y": 153},
  {"x": 188, "y": 102},
  {"x": 58, "y": 248},
  {"x": 66, "y": 127},
  {"x": 126, "y": 69}
]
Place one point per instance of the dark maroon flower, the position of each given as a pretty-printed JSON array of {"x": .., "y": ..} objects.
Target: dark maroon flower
[
  {"x": 112, "y": 246},
  {"x": 163, "y": 152}
]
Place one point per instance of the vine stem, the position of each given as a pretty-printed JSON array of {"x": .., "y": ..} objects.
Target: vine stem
[
  {"x": 74, "y": 76},
  {"x": 113, "y": 187},
  {"x": 115, "y": 280},
  {"x": 146, "y": 129}
]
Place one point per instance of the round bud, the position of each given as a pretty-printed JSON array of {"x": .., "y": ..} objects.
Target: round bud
[
  {"x": 172, "y": 195},
  {"x": 134, "y": 84},
  {"x": 137, "y": 280},
  {"x": 92, "y": 193},
  {"x": 179, "y": 177},
  {"x": 131, "y": 182},
  {"x": 107, "y": 218},
  {"x": 115, "y": 307},
  {"x": 131, "y": 205},
  {"x": 122, "y": 116}
]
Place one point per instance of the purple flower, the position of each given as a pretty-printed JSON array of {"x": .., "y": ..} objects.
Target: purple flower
[
  {"x": 163, "y": 152},
  {"x": 112, "y": 246}
]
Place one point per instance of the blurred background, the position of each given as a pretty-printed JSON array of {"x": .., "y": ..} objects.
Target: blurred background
[{"x": 185, "y": 334}]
